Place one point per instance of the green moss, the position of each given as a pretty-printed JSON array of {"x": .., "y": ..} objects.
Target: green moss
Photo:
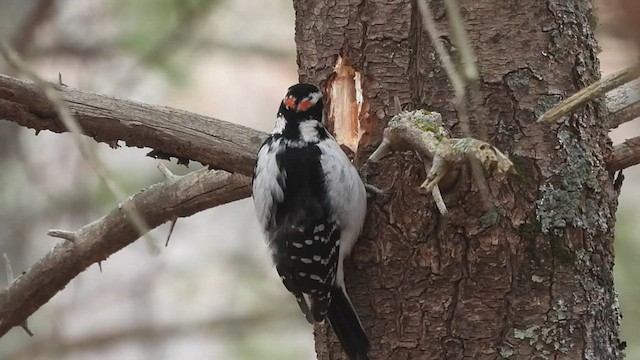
[{"x": 431, "y": 127}]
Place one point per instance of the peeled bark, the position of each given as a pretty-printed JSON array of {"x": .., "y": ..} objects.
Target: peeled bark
[{"x": 528, "y": 275}]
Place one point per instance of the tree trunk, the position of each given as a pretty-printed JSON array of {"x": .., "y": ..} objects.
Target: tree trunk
[{"x": 530, "y": 278}]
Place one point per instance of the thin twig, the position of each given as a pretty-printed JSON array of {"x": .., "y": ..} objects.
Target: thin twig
[
  {"x": 63, "y": 234},
  {"x": 430, "y": 25},
  {"x": 461, "y": 41},
  {"x": 173, "y": 225},
  {"x": 591, "y": 92}
]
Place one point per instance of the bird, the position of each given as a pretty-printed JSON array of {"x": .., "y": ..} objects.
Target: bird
[{"x": 311, "y": 205}]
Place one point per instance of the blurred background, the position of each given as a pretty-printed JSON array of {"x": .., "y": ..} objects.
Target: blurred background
[{"x": 212, "y": 294}]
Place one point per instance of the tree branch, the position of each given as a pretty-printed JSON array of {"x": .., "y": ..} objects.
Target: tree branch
[
  {"x": 591, "y": 92},
  {"x": 213, "y": 142},
  {"x": 96, "y": 241},
  {"x": 625, "y": 155},
  {"x": 623, "y": 104}
]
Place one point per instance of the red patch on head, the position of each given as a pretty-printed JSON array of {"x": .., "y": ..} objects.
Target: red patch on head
[
  {"x": 290, "y": 102},
  {"x": 304, "y": 105}
]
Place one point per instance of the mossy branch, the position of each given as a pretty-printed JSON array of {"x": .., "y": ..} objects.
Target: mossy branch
[{"x": 423, "y": 132}]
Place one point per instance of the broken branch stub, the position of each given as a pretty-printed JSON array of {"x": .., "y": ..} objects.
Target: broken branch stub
[{"x": 423, "y": 132}]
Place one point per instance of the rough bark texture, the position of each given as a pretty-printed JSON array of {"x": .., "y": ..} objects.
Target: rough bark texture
[{"x": 532, "y": 276}]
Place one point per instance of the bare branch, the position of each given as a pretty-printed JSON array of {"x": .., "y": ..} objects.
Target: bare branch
[
  {"x": 623, "y": 104},
  {"x": 591, "y": 92},
  {"x": 625, "y": 155},
  {"x": 96, "y": 241},
  {"x": 217, "y": 143}
]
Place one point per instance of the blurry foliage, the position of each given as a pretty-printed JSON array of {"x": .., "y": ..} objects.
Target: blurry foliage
[
  {"x": 155, "y": 31},
  {"x": 626, "y": 270}
]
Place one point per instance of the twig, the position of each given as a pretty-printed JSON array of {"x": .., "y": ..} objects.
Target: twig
[
  {"x": 96, "y": 241},
  {"x": 173, "y": 225},
  {"x": 591, "y": 92},
  {"x": 437, "y": 197},
  {"x": 430, "y": 25},
  {"x": 461, "y": 41},
  {"x": 81, "y": 142},
  {"x": 63, "y": 234}
]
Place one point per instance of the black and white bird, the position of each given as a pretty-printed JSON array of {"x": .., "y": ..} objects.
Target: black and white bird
[{"x": 311, "y": 204}]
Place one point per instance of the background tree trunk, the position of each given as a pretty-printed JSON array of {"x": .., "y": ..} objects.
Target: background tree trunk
[{"x": 532, "y": 276}]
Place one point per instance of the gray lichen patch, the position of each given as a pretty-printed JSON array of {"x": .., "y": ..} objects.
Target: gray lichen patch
[
  {"x": 575, "y": 201},
  {"x": 551, "y": 338}
]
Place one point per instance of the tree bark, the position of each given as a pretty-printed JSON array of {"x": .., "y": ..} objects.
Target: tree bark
[{"x": 531, "y": 277}]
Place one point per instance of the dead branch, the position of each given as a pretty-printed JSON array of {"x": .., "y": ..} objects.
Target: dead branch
[
  {"x": 625, "y": 155},
  {"x": 423, "y": 132},
  {"x": 96, "y": 241},
  {"x": 591, "y": 92},
  {"x": 217, "y": 143},
  {"x": 623, "y": 104}
]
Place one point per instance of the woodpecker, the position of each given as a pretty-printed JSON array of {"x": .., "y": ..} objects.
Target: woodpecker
[{"x": 311, "y": 204}]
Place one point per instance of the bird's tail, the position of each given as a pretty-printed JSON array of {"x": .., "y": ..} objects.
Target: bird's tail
[{"x": 346, "y": 324}]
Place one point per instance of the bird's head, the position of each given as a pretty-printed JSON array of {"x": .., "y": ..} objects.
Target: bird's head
[{"x": 303, "y": 101}]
